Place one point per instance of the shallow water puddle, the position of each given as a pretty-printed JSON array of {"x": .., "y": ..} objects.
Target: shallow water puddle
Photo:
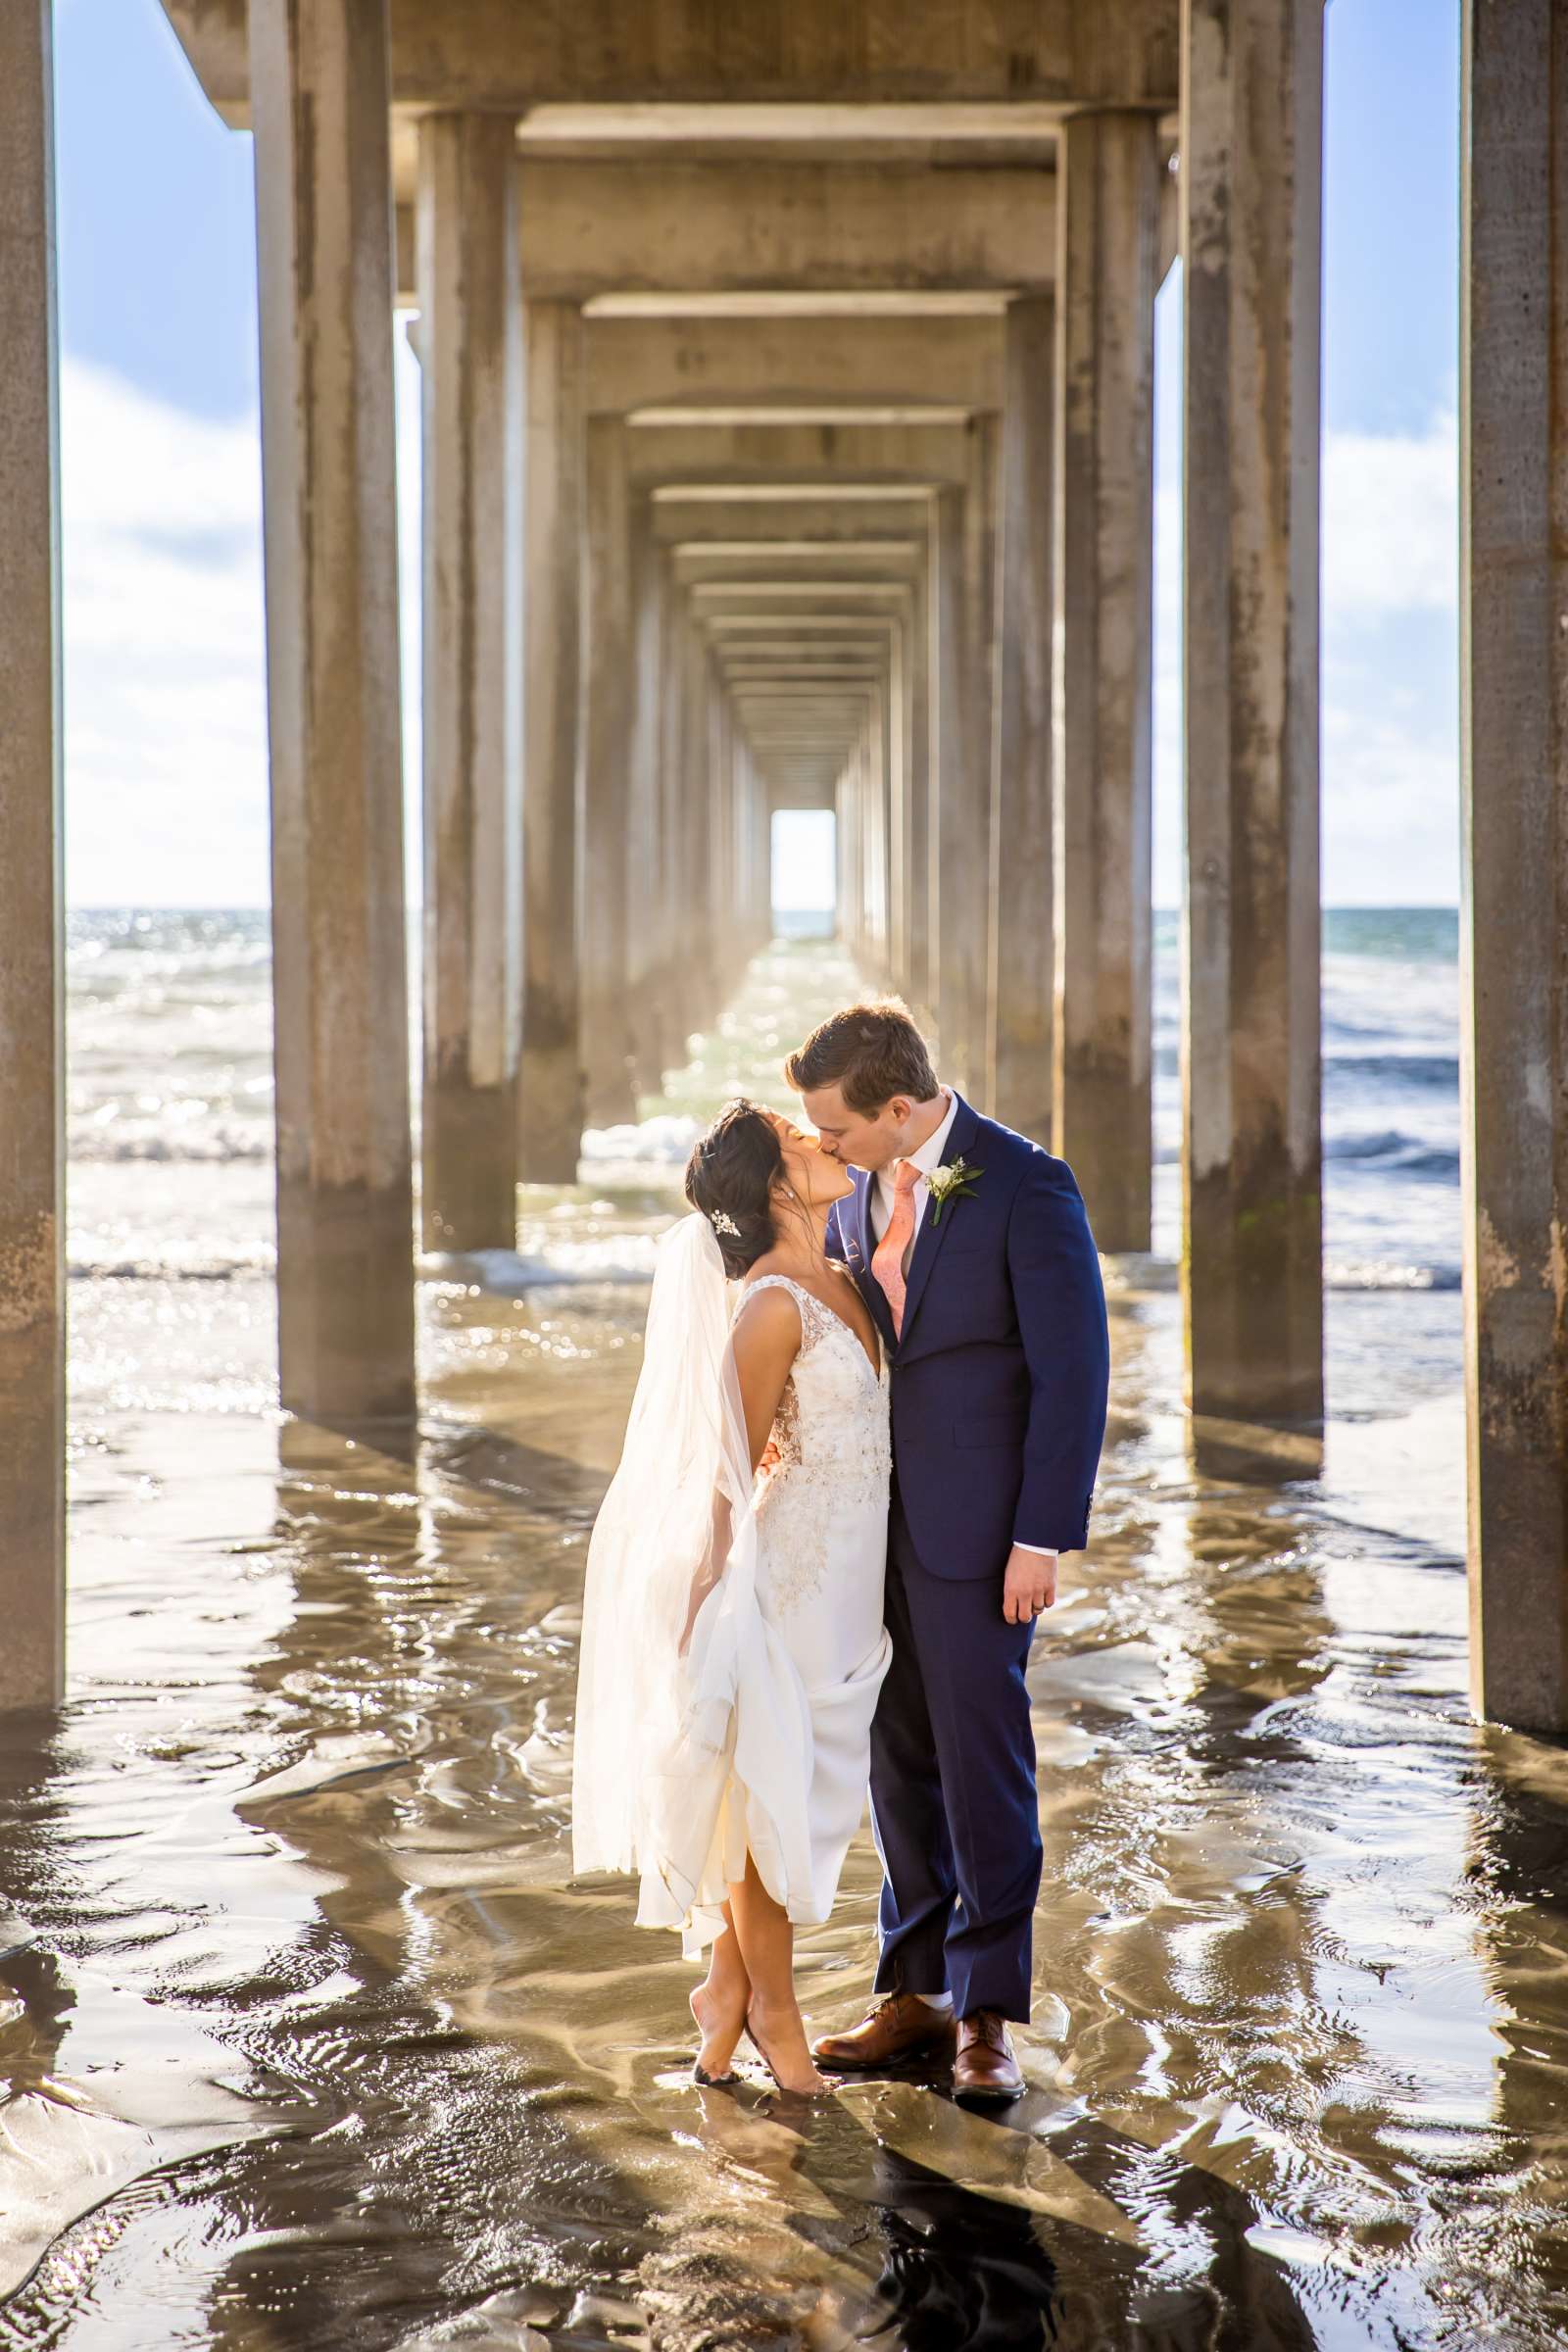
[{"x": 307, "y": 2023}]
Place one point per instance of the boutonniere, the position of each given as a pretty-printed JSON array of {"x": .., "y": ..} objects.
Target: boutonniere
[{"x": 950, "y": 1183}]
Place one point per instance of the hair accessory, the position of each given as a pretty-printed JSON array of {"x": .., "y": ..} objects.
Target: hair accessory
[{"x": 722, "y": 1222}]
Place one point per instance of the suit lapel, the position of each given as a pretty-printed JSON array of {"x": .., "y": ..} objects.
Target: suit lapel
[{"x": 934, "y": 1230}]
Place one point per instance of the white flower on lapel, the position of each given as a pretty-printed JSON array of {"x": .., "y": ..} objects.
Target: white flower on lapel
[{"x": 950, "y": 1183}]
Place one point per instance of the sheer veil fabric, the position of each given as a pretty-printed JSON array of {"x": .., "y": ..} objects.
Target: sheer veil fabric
[{"x": 694, "y": 1738}]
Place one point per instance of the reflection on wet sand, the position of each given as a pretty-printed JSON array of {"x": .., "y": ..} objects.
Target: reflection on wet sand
[{"x": 310, "y": 2042}]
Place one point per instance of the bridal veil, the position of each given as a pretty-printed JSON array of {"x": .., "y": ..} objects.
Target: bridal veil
[{"x": 693, "y": 1734}]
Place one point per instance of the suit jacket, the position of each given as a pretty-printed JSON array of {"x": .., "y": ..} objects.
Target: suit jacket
[{"x": 998, "y": 1383}]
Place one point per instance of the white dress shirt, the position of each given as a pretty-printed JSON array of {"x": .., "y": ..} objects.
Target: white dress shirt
[
  {"x": 928, "y": 1157},
  {"x": 880, "y": 1207}
]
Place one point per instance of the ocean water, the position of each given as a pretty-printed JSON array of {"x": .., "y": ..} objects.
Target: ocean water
[
  {"x": 171, "y": 1095},
  {"x": 309, "y": 2037},
  {"x": 1391, "y": 1096},
  {"x": 169, "y": 1201}
]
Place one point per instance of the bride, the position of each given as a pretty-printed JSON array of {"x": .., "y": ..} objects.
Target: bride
[{"x": 734, "y": 1644}]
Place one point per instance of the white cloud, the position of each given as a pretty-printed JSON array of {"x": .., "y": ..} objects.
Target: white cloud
[
  {"x": 163, "y": 644},
  {"x": 1391, "y": 802},
  {"x": 165, "y": 765},
  {"x": 1391, "y": 721},
  {"x": 1389, "y": 743},
  {"x": 165, "y": 744},
  {"x": 1391, "y": 522}
]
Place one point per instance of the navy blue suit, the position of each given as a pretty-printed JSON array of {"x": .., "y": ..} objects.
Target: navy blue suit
[{"x": 999, "y": 1387}]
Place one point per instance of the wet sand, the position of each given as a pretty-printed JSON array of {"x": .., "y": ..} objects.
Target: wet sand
[{"x": 309, "y": 2040}]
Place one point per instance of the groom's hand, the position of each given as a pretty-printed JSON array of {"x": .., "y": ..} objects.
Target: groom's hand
[{"x": 1029, "y": 1586}]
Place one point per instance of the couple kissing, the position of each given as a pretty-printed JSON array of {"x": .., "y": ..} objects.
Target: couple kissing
[{"x": 868, "y": 1422}]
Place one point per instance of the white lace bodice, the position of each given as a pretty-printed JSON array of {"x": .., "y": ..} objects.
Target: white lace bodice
[{"x": 835, "y": 1451}]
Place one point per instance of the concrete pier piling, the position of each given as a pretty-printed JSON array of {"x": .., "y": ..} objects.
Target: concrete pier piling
[
  {"x": 1107, "y": 211},
  {"x": 1021, "y": 974},
  {"x": 550, "y": 1105},
  {"x": 1514, "y": 787},
  {"x": 1252, "y": 175},
  {"x": 606, "y": 885},
  {"x": 33, "y": 1142},
  {"x": 319, "y": 80},
  {"x": 470, "y": 305}
]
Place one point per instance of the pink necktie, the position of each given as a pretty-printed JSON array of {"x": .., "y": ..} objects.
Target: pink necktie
[{"x": 886, "y": 1262}]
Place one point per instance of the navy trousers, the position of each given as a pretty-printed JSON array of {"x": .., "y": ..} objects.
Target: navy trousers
[{"x": 954, "y": 1805}]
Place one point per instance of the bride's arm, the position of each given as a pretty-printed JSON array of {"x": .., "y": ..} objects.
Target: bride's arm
[{"x": 765, "y": 1342}]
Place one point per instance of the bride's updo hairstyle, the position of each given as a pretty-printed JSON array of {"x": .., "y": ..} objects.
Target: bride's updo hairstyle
[{"x": 730, "y": 1176}]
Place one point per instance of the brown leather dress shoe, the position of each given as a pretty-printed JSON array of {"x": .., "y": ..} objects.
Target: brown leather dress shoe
[
  {"x": 899, "y": 2026},
  {"x": 985, "y": 2067}
]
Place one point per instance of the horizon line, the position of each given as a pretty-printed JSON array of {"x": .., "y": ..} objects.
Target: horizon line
[{"x": 417, "y": 907}]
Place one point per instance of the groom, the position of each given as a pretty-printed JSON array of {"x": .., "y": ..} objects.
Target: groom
[{"x": 973, "y": 1252}]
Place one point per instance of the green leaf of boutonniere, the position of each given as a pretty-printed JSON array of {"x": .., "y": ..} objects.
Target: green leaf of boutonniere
[{"x": 950, "y": 1183}]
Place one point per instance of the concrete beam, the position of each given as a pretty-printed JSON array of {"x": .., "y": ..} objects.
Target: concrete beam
[
  {"x": 811, "y": 67},
  {"x": 722, "y": 131},
  {"x": 325, "y": 269},
  {"x": 821, "y": 633},
  {"x": 750, "y": 562},
  {"x": 812, "y": 729},
  {"x": 1104, "y": 587},
  {"x": 1251, "y": 1258},
  {"x": 473, "y": 377},
  {"x": 788, "y": 702},
  {"x": 821, "y": 616},
  {"x": 809, "y": 667},
  {"x": 806, "y": 410},
  {"x": 770, "y": 304},
  {"x": 689, "y": 514},
  {"x": 800, "y": 776},
  {"x": 33, "y": 1141},
  {"x": 802, "y": 633},
  {"x": 1514, "y": 771},
  {"x": 798, "y": 741},
  {"x": 832, "y": 458},
  {"x": 787, "y": 598},
  {"x": 806, "y": 647},
  {"x": 663, "y": 227},
  {"x": 634, "y": 363}
]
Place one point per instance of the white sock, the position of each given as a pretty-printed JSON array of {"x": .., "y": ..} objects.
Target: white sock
[{"x": 935, "y": 2000}]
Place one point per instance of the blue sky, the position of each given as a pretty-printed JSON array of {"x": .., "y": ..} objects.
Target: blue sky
[{"x": 165, "y": 765}]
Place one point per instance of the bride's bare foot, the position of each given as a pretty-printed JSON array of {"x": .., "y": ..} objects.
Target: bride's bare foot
[
  {"x": 778, "y": 2034},
  {"x": 721, "y": 2024}
]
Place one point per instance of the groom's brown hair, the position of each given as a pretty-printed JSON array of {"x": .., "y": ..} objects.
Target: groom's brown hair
[{"x": 870, "y": 1053}]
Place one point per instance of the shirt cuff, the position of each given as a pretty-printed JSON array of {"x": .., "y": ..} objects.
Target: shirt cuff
[{"x": 1046, "y": 1548}]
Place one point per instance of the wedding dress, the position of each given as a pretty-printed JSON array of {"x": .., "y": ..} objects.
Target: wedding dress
[{"x": 733, "y": 1639}]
